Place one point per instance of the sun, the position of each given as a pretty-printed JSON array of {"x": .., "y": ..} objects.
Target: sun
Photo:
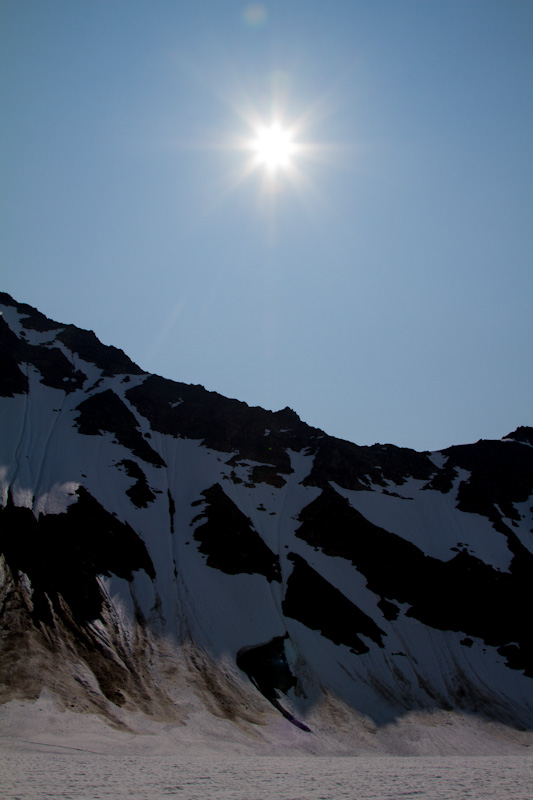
[{"x": 273, "y": 147}]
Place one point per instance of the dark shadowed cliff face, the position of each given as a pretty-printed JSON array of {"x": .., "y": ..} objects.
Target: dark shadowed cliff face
[{"x": 153, "y": 532}]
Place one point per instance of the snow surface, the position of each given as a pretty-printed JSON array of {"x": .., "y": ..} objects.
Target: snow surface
[
  {"x": 47, "y": 753},
  {"x": 430, "y": 520},
  {"x": 35, "y": 774}
]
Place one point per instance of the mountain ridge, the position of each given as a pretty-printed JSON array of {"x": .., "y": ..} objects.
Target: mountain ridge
[{"x": 165, "y": 548}]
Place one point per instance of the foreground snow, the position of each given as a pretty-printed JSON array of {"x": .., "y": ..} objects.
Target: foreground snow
[
  {"x": 47, "y": 752},
  {"x": 45, "y": 726},
  {"x": 35, "y": 774}
]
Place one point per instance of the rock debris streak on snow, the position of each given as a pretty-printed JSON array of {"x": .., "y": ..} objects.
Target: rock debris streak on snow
[{"x": 35, "y": 775}]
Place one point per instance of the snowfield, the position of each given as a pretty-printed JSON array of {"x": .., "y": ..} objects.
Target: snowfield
[
  {"x": 49, "y": 753},
  {"x": 33, "y": 774}
]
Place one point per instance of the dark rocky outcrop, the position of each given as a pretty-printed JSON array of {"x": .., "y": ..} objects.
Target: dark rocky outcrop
[
  {"x": 313, "y": 601},
  {"x": 12, "y": 379},
  {"x": 32, "y": 319},
  {"x": 105, "y": 411},
  {"x": 56, "y": 370},
  {"x": 229, "y": 540},
  {"x": 462, "y": 594},
  {"x": 222, "y": 424},
  {"x": 501, "y": 474},
  {"x": 110, "y": 360},
  {"x": 355, "y": 467},
  {"x": 63, "y": 554},
  {"x": 140, "y": 493}
]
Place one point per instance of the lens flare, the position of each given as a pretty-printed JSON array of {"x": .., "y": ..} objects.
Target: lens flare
[{"x": 255, "y": 14}]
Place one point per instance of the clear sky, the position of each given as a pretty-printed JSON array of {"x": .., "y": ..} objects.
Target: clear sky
[{"x": 380, "y": 284}]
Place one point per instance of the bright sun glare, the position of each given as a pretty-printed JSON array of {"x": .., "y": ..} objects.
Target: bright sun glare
[{"x": 274, "y": 147}]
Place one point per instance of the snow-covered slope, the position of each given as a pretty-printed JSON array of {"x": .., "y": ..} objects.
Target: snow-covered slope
[{"x": 169, "y": 552}]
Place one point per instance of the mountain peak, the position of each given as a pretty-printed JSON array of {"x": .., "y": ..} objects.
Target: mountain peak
[{"x": 170, "y": 552}]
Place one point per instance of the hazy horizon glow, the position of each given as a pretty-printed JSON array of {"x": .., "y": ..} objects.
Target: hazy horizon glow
[{"x": 376, "y": 275}]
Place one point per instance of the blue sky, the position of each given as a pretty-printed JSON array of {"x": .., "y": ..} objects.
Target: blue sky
[{"x": 381, "y": 287}]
